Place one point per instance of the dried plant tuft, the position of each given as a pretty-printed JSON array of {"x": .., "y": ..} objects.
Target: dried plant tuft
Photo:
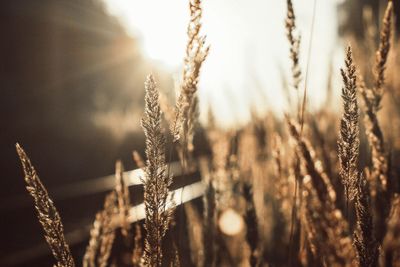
[
  {"x": 294, "y": 41},
  {"x": 364, "y": 241},
  {"x": 349, "y": 142},
  {"x": 196, "y": 53},
  {"x": 47, "y": 213},
  {"x": 89, "y": 259},
  {"x": 108, "y": 232},
  {"x": 379, "y": 174},
  {"x": 382, "y": 55},
  {"x": 156, "y": 181}
]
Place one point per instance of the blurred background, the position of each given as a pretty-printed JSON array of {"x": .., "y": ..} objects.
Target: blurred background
[{"x": 72, "y": 73}]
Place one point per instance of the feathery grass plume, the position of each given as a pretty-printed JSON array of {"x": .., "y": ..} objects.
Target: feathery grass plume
[
  {"x": 364, "y": 241},
  {"x": 294, "y": 41},
  {"x": 391, "y": 243},
  {"x": 320, "y": 182},
  {"x": 89, "y": 259},
  {"x": 323, "y": 218},
  {"x": 102, "y": 234},
  {"x": 108, "y": 234},
  {"x": 375, "y": 138},
  {"x": 382, "y": 54},
  {"x": 325, "y": 228},
  {"x": 47, "y": 213},
  {"x": 186, "y": 146},
  {"x": 348, "y": 143},
  {"x": 196, "y": 53},
  {"x": 122, "y": 198},
  {"x": 156, "y": 181},
  {"x": 137, "y": 252},
  {"x": 379, "y": 175},
  {"x": 372, "y": 98}
]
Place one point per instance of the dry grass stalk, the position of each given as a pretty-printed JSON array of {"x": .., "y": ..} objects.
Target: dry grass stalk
[
  {"x": 102, "y": 235},
  {"x": 372, "y": 98},
  {"x": 326, "y": 230},
  {"x": 294, "y": 41},
  {"x": 364, "y": 241},
  {"x": 382, "y": 55},
  {"x": 156, "y": 181},
  {"x": 375, "y": 139},
  {"x": 122, "y": 198},
  {"x": 379, "y": 175},
  {"x": 196, "y": 53},
  {"x": 89, "y": 259},
  {"x": 349, "y": 142},
  {"x": 108, "y": 234},
  {"x": 47, "y": 213},
  {"x": 320, "y": 182}
]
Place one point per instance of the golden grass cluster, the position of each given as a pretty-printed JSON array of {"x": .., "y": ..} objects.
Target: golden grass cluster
[{"x": 275, "y": 193}]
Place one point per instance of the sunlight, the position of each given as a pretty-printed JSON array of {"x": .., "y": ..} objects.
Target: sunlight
[
  {"x": 249, "y": 53},
  {"x": 160, "y": 26}
]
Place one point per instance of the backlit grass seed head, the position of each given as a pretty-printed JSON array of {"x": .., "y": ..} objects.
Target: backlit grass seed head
[
  {"x": 156, "y": 181},
  {"x": 47, "y": 213},
  {"x": 348, "y": 144}
]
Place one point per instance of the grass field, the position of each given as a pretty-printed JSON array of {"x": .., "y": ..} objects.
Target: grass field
[{"x": 303, "y": 188}]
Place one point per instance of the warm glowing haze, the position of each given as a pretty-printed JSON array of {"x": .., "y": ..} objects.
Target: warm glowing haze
[{"x": 249, "y": 50}]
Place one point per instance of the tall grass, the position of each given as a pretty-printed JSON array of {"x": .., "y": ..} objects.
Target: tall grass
[{"x": 282, "y": 184}]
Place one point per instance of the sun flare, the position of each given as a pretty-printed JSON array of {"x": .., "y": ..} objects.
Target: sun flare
[
  {"x": 159, "y": 25},
  {"x": 247, "y": 43}
]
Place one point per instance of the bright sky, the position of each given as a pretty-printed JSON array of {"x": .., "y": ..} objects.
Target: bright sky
[{"x": 249, "y": 49}]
